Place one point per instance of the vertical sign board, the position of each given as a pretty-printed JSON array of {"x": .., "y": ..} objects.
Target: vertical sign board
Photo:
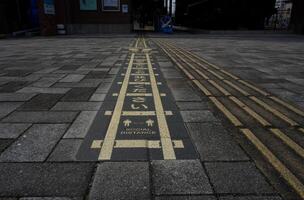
[
  {"x": 110, "y": 5},
  {"x": 125, "y": 8},
  {"x": 49, "y": 7},
  {"x": 88, "y": 4}
]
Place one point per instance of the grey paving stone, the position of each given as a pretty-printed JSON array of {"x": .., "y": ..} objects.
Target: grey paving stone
[
  {"x": 76, "y": 85},
  {"x": 81, "y": 125},
  {"x": 237, "y": 178},
  {"x": 16, "y": 96},
  {"x": 44, "y": 90},
  {"x": 121, "y": 180},
  {"x": 98, "y": 97},
  {"x": 78, "y": 94},
  {"x": 12, "y": 86},
  {"x": 103, "y": 88},
  {"x": 205, "y": 197},
  {"x": 35, "y": 144},
  {"x": 11, "y": 131},
  {"x": 66, "y": 150},
  {"x": 45, "y": 82},
  {"x": 172, "y": 177},
  {"x": 250, "y": 198},
  {"x": 4, "y": 144},
  {"x": 8, "y": 107},
  {"x": 198, "y": 116},
  {"x": 72, "y": 78},
  {"x": 183, "y": 105},
  {"x": 44, "y": 180},
  {"x": 41, "y": 117},
  {"x": 184, "y": 94},
  {"x": 165, "y": 64},
  {"x": 214, "y": 143},
  {"x": 51, "y": 198},
  {"x": 83, "y": 106},
  {"x": 47, "y": 70},
  {"x": 41, "y": 102}
]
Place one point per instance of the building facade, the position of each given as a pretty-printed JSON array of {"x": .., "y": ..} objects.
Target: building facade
[{"x": 84, "y": 16}]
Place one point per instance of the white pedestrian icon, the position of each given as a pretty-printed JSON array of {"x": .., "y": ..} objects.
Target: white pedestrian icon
[
  {"x": 150, "y": 122},
  {"x": 127, "y": 122}
]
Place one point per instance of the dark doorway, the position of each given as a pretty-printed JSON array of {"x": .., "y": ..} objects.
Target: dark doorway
[
  {"x": 146, "y": 14},
  {"x": 17, "y": 15}
]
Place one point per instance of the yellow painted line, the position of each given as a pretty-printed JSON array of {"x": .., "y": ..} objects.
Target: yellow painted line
[
  {"x": 287, "y": 105},
  {"x": 229, "y": 74},
  {"x": 274, "y": 111},
  {"x": 108, "y": 144},
  {"x": 234, "y": 120},
  {"x": 220, "y": 88},
  {"x": 139, "y": 113},
  {"x": 201, "y": 65},
  {"x": 215, "y": 74},
  {"x": 237, "y": 88},
  {"x": 190, "y": 65},
  {"x": 166, "y": 142},
  {"x": 290, "y": 178},
  {"x": 150, "y": 144},
  {"x": 96, "y": 144},
  {"x": 138, "y": 83},
  {"x": 251, "y": 112},
  {"x": 140, "y": 94},
  {"x": 144, "y": 113},
  {"x": 202, "y": 88},
  {"x": 144, "y": 42},
  {"x": 137, "y": 144},
  {"x": 177, "y": 63},
  {"x": 136, "y": 44},
  {"x": 289, "y": 142},
  {"x": 254, "y": 88}
]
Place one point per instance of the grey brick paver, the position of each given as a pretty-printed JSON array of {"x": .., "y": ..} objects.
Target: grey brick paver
[
  {"x": 41, "y": 117},
  {"x": 44, "y": 179},
  {"x": 52, "y": 90},
  {"x": 10, "y": 131},
  {"x": 35, "y": 144},
  {"x": 81, "y": 125},
  {"x": 180, "y": 177},
  {"x": 121, "y": 180},
  {"x": 8, "y": 107},
  {"x": 66, "y": 150},
  {"x": 237, "y": 178},
  {"x": 16, "y": 96},
  {"x": 75, "y": 106},
  {"x": 72, "y": 78}
]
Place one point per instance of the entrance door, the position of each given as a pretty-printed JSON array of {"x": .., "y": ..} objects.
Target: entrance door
[{"x": 146, "y": 14}]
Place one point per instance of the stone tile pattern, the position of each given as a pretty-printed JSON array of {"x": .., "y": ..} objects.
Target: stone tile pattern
[{"x": 49, "y": 96}]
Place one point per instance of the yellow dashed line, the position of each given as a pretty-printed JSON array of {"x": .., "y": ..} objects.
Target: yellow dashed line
[
  {"x": 250, "y": 112},
  {"x": 287, "y": 105},
  {"x": 289, "y": 142},
  {"x": 227, "y": 113},
  {"x": 291, "y": 179},
  {"x": 274, "y": 111}
]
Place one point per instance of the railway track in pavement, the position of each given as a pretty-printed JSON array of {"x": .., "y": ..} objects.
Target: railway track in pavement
[{"x": 273, "y": 126}]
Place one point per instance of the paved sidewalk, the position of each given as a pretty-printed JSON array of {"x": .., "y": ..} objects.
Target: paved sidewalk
[{"x": 52, "y": 89}]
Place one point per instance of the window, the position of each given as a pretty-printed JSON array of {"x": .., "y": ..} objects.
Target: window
[
  {"x": 88, "y": 4},
  {"x": 111, "y": 5}
]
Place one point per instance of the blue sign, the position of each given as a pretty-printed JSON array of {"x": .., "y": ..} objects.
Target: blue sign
[{"x": 49, "y": 7}]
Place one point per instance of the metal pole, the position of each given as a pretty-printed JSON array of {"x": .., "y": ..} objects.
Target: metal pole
[{"x": 170, "y": 8}]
